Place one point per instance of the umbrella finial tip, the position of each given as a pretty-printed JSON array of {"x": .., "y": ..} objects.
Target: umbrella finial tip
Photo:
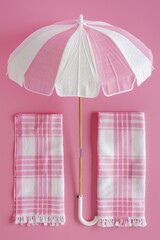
[{"x": 81, "y": 18}]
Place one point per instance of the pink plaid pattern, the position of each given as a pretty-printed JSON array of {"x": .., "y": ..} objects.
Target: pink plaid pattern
[
  {"x": 39, "y": 170},
  {"x": 121, "y": 169}
]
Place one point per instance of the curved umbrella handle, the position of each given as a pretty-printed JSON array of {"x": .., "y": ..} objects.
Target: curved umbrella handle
[{"x": 80, "y": 210}]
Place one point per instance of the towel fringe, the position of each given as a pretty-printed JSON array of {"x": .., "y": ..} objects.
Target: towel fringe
[
  {"x": 40, "y": 220},
  {"x": 128, "y": 222}
]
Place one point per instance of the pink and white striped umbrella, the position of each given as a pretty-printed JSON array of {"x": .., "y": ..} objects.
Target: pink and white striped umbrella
[{"x": 77, "y": 57}]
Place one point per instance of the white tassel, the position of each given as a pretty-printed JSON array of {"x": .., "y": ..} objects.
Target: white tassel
[
  {"x": 129, "y": 222},
  {"x": 40, "y": 220}
]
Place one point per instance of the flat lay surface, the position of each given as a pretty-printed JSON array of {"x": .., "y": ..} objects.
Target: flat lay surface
[{"x": 18, "y": 19}]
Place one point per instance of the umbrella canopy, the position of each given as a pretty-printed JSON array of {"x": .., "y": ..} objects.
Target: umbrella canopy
[{"x": 77, "y": 57}]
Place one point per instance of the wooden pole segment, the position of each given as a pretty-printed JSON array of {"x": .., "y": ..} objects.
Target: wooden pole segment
[{"x": 80, "y": 146}]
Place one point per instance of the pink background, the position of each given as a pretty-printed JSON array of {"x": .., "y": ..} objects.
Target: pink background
[{"x": 18, "y": 19}]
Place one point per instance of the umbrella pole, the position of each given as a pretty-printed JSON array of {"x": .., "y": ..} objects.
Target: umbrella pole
[
  {"x": 80, "y": 146},
  {"x": 80, "y": 196}
]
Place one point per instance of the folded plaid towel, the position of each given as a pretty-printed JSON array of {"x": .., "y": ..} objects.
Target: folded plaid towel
[
  {"x": 39, "y": 170},
  {"x": 122, "y": 166}
]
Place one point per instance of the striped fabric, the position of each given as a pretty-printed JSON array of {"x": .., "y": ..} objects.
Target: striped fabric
[
  {"x": 39, "y": 170},
  {"x": 79, "y": 57},
  {"x": 121, "y": 169}
]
